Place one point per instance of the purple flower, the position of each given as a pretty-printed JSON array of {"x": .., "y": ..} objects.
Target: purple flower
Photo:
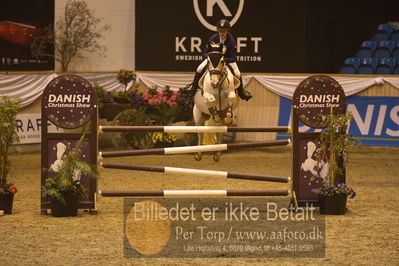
[
  {"x": 327, "y": 189},
  {"x": 137, "y": 100}
]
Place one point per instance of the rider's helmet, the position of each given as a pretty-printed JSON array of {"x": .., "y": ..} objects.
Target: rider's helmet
[{"x": 223, "y": 24}]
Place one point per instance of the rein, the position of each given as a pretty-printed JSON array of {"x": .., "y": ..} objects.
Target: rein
[
  {"x": 221, "y": 113},
  {"x": 223, "y": 73}
]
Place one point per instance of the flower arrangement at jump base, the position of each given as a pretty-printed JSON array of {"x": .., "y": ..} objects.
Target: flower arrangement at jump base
[
  {"x": 331, "y": 155},
  {"x": 328, "y": 189},
  {"x": 8, "y": 136},
  {"x": 164, "y": 105},
  {"x": 156, "y": 102},
  {"x": 161, "y": 105},
  {"x": 157, "y": 106},
  {"x": 162, "y": 108},
  {"x": 163, "y": 139}
]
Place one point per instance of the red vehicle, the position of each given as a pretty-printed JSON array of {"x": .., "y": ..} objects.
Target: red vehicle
[{"x": 18, "y": 33}]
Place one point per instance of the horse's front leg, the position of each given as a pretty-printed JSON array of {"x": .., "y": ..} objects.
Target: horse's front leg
[
  {"x": 230, "y": 87},
  {"x": 198, "y": 155},
  {"x": 231, "y": 95},
  {"x": 208, "y": 96}
]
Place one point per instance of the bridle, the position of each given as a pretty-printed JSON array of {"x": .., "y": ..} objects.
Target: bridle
[{"x": 222, "y": 72}]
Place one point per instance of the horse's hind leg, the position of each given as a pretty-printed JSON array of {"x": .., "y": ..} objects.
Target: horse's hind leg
[
  {"x": 218, "y": 154},
  {"x": 199, "y": 121}
]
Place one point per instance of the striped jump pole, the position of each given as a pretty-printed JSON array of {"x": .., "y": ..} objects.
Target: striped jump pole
[
  {"x": 194, "y": 149},
  {"x": 198, "y": 172},
  {"x": 190, "y": 193},
  {"x": 191, "y": 129}
]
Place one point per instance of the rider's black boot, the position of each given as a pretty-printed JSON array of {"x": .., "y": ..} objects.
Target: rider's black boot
[
  {"x": 194, "y": 86},
  {"x": 245, "y": 95}
]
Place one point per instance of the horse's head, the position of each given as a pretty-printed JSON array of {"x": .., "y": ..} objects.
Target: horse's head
[{"x": 215, "y": 63}]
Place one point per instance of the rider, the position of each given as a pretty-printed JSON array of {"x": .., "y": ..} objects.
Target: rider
[{"x": 223, "y": 36}]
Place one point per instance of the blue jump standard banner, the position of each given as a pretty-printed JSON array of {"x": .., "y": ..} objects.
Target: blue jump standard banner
[{"x": 375, "y": 119}]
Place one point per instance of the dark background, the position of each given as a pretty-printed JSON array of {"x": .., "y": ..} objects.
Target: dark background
[
  {"x": 336, "y": 29},
  {"x": 299, "y": 36},
  {"x": 37, "y": 13}
]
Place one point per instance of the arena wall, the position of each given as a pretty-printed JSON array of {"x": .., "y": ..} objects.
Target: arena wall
[
  {"x": 261, "y": 110},
  {"x": 380, "y": 90}
]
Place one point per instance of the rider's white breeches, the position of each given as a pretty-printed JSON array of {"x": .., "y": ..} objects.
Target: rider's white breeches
[
  {"x": 236, "y": 71},
  {"x": 202, "y": 66},
  {"x": 234, "y": 66}
]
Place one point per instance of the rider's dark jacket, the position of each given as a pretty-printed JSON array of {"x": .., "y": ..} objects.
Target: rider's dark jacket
[{"x": 230, "y": 55}]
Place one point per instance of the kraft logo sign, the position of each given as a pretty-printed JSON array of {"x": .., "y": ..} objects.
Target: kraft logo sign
[
  {"x": 221, "y": 4},
  {"x": 189, "y": 48}
]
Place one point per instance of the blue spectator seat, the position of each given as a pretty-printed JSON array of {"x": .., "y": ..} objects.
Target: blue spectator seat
[
  {"x": 383, "y": 32},
  {"x": 350, "y": 65},
  {"x": 367, "y": 66},
  {"x": 384, "y": 49},
  {"x": 367, "y": 49},
  {"x": 386, "y": 66},
  {"x": 395, "y": 34},
  {"x": 395, "y": 52}
]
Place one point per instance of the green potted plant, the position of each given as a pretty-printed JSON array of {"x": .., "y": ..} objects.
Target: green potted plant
[
  {"x": 104, "y": 102},
  {"x": 331, "y": 156},
  {"x": 8, "y": 136},
  {"x": 185, "y": 102},
  {"x": 121, "y": 97},
  {"x": 125, "y": 77},
  {"x": 63, "y": 187}
]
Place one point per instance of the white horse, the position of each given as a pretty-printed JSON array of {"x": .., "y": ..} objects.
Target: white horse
[{"x": 215, "y": 103}]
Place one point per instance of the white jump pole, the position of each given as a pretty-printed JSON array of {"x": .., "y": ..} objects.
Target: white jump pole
[
  {"x": 190, "y": 193},
  {"x": 194, "y": 149},
  {"x": 191, "y": 129},
  {"x": 198, "y": 172}
]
